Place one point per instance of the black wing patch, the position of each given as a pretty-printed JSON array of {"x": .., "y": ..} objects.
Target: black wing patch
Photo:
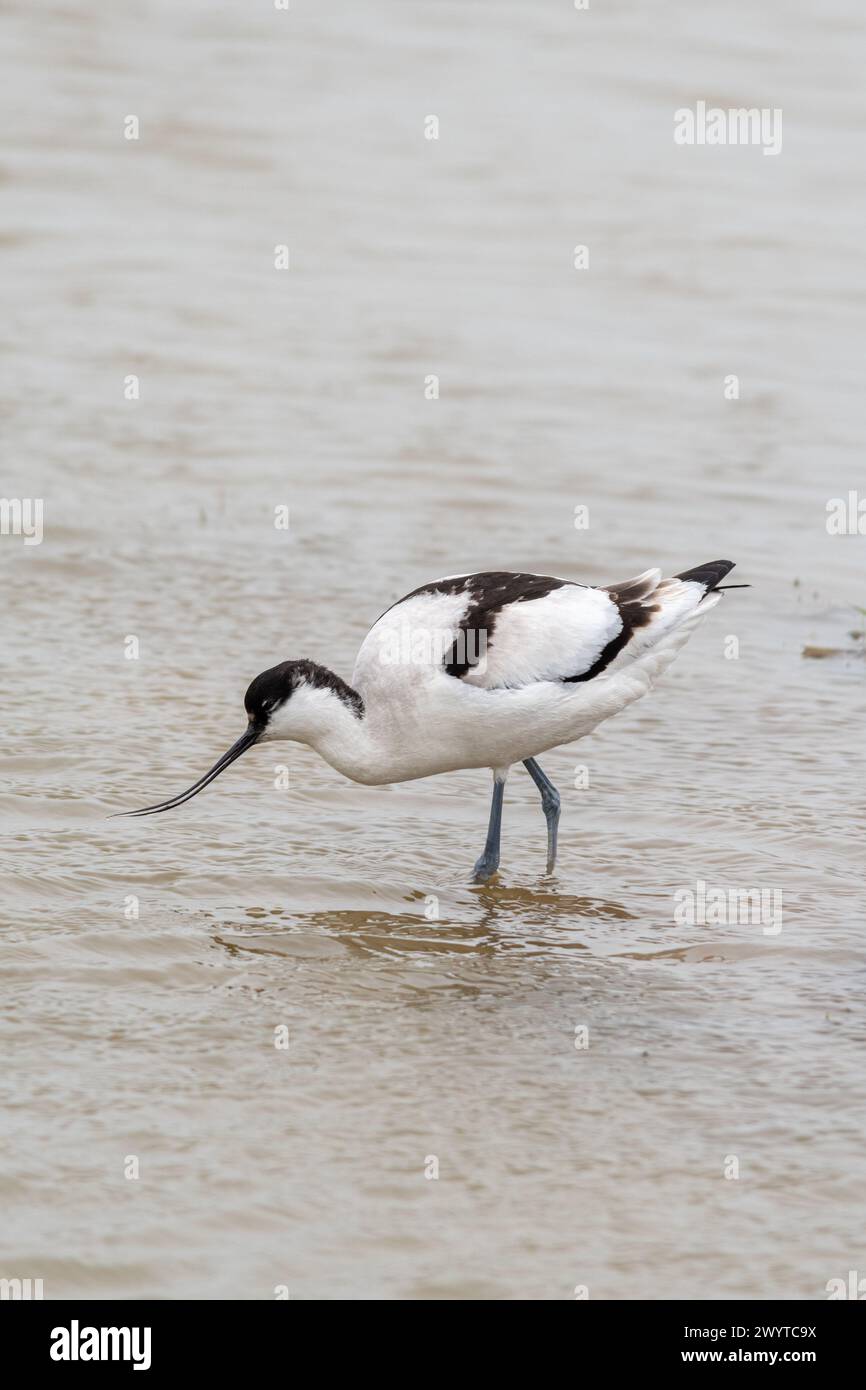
[
  {"x": 489, "y": 593},
  {"x": 629, "y": 598}
]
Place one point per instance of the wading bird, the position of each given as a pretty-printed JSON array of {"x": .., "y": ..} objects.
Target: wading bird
[{"x": 480, "y": 670}]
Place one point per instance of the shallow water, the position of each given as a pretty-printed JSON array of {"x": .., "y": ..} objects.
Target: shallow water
[{"x": 309, "y": 907}]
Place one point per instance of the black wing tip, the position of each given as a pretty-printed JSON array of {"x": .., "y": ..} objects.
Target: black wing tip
[{"x": 710, "y": 574}]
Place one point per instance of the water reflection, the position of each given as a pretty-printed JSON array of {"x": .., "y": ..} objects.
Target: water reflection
[{"x": 491, "y": 921}]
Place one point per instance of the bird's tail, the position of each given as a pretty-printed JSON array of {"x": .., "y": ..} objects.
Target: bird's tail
[
  {"x": 709, "y": 575},
  {"x": 655, "y": 608},
  {"x": 695, "y": 590}
]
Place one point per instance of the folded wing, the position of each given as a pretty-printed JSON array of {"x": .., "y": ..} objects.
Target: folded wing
[{"x": 505, "y": 630}]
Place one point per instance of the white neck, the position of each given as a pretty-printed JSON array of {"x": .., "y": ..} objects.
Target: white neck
[{"x": 319, "y": 717}]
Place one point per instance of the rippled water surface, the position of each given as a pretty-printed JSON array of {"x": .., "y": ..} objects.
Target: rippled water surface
[{"x": 310, "y": 908}]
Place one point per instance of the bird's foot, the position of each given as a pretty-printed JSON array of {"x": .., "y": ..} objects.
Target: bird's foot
[{"x": 484, "y": 869}]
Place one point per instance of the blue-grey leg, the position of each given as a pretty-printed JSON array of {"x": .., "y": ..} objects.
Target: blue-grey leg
[
  {"x": 489, "y": 861},
  {"x": 549, "y": 805}
]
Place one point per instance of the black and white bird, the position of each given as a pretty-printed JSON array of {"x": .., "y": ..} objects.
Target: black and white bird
[{"x": 480, "y": 670}]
